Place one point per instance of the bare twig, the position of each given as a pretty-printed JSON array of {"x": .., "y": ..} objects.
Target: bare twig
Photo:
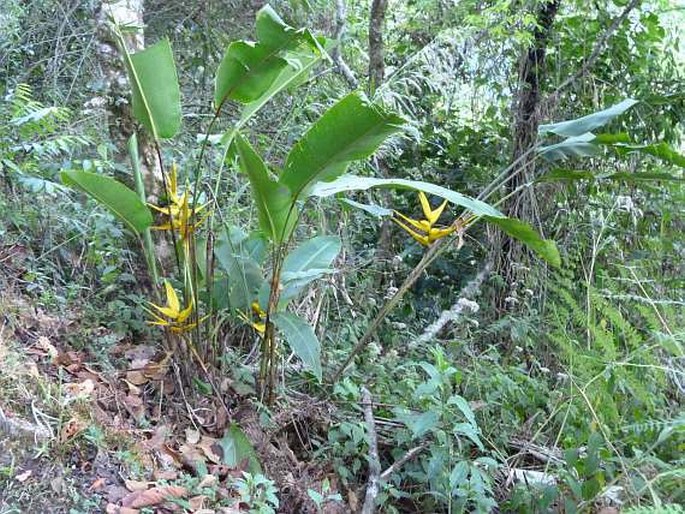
[
  {"x": 385, "y": 476},
  {"x": 373, "y": 487}
]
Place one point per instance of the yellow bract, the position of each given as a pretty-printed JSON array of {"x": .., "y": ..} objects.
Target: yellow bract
[
  {"x": 260, "y": 324},
  {"x": 425, "y": 232},
  {"x": 174, "y": 318},
  {"x": 179, "y": 212}
]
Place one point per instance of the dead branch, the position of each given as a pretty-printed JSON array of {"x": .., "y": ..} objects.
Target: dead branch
[{"x": 336, "y": 55}]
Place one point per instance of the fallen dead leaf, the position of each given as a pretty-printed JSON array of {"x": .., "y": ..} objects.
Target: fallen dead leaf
[
  {"x": 207, "y": 481},
  {"x": 44, "y": 344},
  {"x": 115, "y": 509},
  {"x": 136, "y": 485},
  {"x": 154, "y": 496},
  {"x": 160, "y": 474},
  {"x": 98, "y": 484},
  {"x": 192, "y": 436},
  {"x": 211, "y": 448},
  {"x": 197, "y": 502},
  {"x": 71, "y": 429},
  {"x": 79, "y": 390},
  {"x": 57, "y": 484},
  {"x": 23, "y": 477}
]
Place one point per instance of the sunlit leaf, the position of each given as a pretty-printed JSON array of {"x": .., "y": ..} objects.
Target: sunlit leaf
[
  {"x": 301, "y": 338},
  {"x": 580, "y": 126}
]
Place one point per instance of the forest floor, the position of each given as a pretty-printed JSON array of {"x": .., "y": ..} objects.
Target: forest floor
[{"x": 92, "y": 422}]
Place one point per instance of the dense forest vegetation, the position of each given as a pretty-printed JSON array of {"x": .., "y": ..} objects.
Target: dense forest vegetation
[{"x": 339, "y": 256}]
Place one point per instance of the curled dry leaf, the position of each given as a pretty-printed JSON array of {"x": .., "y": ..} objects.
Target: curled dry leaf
[
  {"x": 71, "y": 429},
  {"x": 136, "y": 485},
  {"x": 23, "y": 477},
  {"x": 154, "y": 496},
  {"x": 44, "y": 344},
  {"x": 79, "y": 390}
]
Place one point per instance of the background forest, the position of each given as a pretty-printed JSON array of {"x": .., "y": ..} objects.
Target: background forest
[{"x": 342, "y": 256}]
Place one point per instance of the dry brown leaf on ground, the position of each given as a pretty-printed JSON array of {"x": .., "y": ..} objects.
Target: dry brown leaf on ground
[
  {"x": 23, "y": 477},
  {"x": 136, "y": 485},
  {"x": 115, "y": 509},
  {"x": 71, "y": 429},
  {"x": 154, "y": 496}
]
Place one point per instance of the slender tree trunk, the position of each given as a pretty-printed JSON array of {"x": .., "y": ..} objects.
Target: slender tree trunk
[
  {"x": 376, "y": 62},
  {"x": 523, "y": 204},
  {"x": 116, "y": 89},
  {"x": 376, "y": 78}
]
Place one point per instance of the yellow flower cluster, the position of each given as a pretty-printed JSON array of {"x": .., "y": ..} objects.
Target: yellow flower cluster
[
  {"x": 424, "y": 230},
  {"x": 174, "y": 317},
  {"x": 178, "y": 211}
]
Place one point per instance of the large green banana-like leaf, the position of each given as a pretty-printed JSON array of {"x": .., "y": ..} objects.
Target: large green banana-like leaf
[
  {"x": 156, "y": 95},
  {"x": 248, "y": 69},
  {"x": 273, "y": 200},
  {"x": 515, "y": 228},
  {"x": 350, "y": 130},
  {"x": 122, "y": 201}
]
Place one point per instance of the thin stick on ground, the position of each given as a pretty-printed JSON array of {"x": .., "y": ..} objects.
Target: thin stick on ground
[{"x": 373, "y": 487}]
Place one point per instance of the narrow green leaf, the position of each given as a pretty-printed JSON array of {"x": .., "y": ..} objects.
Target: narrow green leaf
[
  {"x": 523, "y": 232},
  {"x": 156, "y": 95},
  {"x": 273, "y": 201},
  {"x": 301, "y": 338},
  {"x": 119, "y": 199},
  {"x": 356, "y": 183},
  {"x": 371, "y": 208},
  {"x": 561, "y": 175},
  {"x": 350, "y": 130},
  {"x": 580, "y": 126},
  {"x": 662, "y": 151}
]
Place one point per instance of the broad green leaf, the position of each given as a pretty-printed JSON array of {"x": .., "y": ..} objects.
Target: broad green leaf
[
  {"x": 459, "y": 474},
  {"x": 580, "y": 126},
  {"x": 515, "y": 228},
  {"x": 356, "y": 183},
  {"x": 301, "y": 338},
  {"x": 316, "y": 253},
  {"x": 275, "y": 210},
  {"x": 113, "y": 195},
  {"x": 419, "y": 423},
  {"x": 248, "y": 70},
  {"x": 577, "y": 146},
  {"x": 237, "y": 448},
  {"x": 156, "y": 95},
  {"x": 350, "y": 130},
  {"x": 469, "y": 431},
  {"x": 523, "y": 232},
  {"x": 307, "y": 263},
  {"x": 241, "y": 256},
  {"x": 463, "y": 407}
]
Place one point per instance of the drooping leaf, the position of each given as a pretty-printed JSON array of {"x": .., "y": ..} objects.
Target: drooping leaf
[
  {"x": 662, "y": 151},
  {"x": 523, "y": 232},
  {"x": 580, "y": 126},
  {"x": 307, "y": 263},
  {"x": 515, "y": 228},
  {"x": 419, "y": 423},
  {"x": 156, "y": 95},
  {"x": 373, "y": 209},
  {"x": 350, "y": 130},
  {"x": 248, "y": 70},
  {"x": 119, "y": 199},
  {"x": 302, "y": 340},
  {"x": 562, "y": 175},
  {"x": 576, "y": 146},
  {"x": 237, "y": 448},
  {"x": 356, "y": 183},
  {"x": 273, "y": 200}
]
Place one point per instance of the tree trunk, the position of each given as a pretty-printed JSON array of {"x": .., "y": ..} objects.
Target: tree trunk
[
  {"x": 522, "y": 203},
  {"x": 376, "y": 63},
  {"x": 117, "y": 90}
]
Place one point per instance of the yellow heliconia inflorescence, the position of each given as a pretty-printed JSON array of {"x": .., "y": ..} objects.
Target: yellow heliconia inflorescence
[
  {"x": 425, "y": 233},
  {"x": 175, "y": 318},
  {"x": 260, "y": 324},
  {"x": 178, "y": 211}
]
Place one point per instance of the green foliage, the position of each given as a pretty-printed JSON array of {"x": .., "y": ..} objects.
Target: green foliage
[
  {"x": 156, "y": 95},
  {"x": 123, "y": 202}
]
